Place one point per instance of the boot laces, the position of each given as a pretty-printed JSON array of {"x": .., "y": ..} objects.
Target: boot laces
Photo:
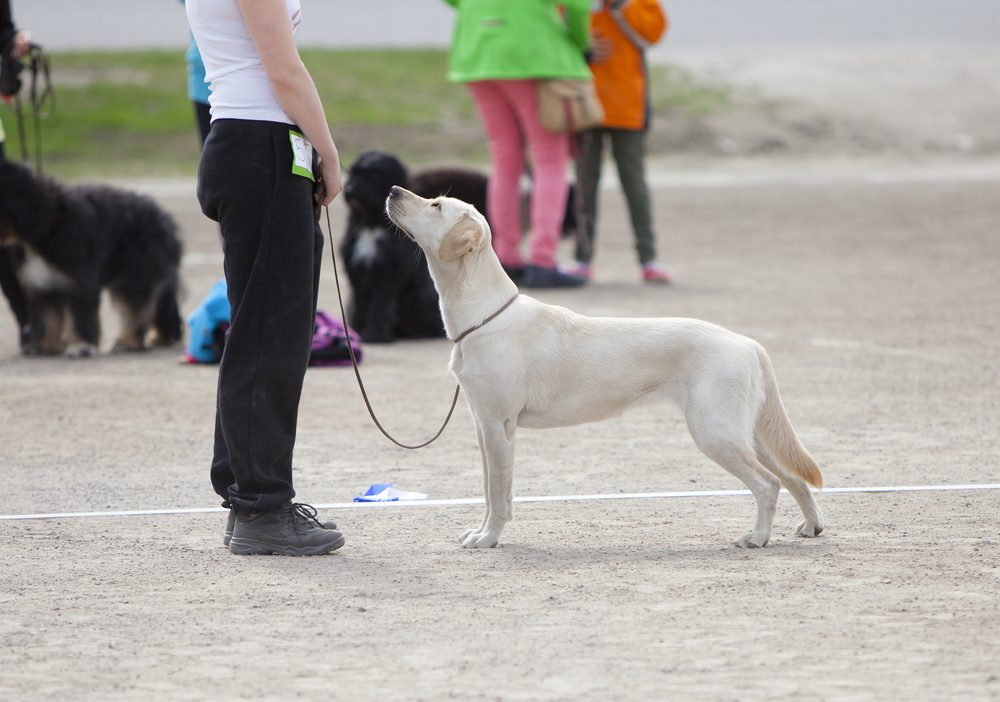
[{"x": 302, "y": 514}]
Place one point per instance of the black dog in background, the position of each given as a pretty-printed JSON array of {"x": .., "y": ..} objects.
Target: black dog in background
[
  {"x": 65, "y": 244},
  {"x": 392, "y": 295},
  {"x": 470, "y": 186}
]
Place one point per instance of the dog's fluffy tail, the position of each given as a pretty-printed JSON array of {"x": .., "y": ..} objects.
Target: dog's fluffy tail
[{"x": 775, "y": 431}]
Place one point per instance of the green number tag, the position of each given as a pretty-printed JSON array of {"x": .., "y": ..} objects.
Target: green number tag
[{"x": 302, "y": 155}]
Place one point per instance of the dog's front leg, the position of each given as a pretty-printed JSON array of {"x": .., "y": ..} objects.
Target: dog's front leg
[
  {"x": 86, "y": 326},
  {"x": 380, "y": 319},
  {"x": 486, "y": 488},
  {"x": 497, "y": 446},
  {"x": 46, "y": 319}
]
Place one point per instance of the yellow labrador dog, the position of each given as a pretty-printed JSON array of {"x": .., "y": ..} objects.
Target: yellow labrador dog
[{"x": 523, "y": 363}]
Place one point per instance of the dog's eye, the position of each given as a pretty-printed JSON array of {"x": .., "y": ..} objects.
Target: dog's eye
[{"x": 436, "y": 205}]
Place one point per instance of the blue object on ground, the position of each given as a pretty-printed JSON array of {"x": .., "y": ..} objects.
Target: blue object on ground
[{"x": 387, "y": 492}]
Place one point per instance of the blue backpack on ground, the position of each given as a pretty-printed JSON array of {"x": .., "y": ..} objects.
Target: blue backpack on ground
[{"x": 207, "y": 326}]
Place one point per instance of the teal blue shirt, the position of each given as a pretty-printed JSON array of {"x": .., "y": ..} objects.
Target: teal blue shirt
[
  {"x": 197, "y": 87},
  {"x": 513, "y": 39}
]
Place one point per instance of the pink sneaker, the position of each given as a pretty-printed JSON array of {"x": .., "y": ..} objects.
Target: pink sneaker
[
  {"x": 577, "y": 269},
  {"x": 654, "y": 272}
]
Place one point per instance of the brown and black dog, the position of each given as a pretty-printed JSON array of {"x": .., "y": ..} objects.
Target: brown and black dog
[{"x": 65, "y": 244}]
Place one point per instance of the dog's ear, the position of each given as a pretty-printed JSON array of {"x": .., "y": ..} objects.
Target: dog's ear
[{"x": 462, "y": 239}]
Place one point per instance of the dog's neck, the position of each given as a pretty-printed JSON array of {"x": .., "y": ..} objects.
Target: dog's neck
[{"x": 480, "y": 288}]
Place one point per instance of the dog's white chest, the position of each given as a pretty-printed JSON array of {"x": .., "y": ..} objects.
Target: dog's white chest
[
  {"x": 37, "y": 274},
  {"x": 366, "y": 247}
]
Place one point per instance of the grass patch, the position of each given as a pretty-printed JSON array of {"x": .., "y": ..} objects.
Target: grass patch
[
  {"x": 127, "y": 114},
  {"x": 674, "y": 89},
  {"x": 114, "y": 113}
]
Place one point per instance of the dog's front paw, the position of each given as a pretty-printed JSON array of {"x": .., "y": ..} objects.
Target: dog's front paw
[
  {"x": 378, "y": 337},
  {"x": 480, "y": 539},
  {"x": 808, "y": 531},
  {"x": 81, "y": 350},
  {"x": 127, "y": 345},
  {"x": 158, "y": 340},
  {"x": 753, "y": 540}
]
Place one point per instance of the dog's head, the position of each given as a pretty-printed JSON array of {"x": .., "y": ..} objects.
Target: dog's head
[
  {"x": 448, "y": 230},
  {"x": 369, "y": 180}
]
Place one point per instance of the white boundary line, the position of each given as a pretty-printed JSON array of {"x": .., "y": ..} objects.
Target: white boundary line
[{"x": 522, "y": 500}]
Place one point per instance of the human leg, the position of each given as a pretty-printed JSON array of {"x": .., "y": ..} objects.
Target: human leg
[
  {"x": 629, "y": 150},
  {"x": 549, "y": 191},
  {"x": 506, "y": 144},
  {"x": 549, "y": 157},
  {"x": 269, "y": 237},
  {"x": 588, "y": 177}
]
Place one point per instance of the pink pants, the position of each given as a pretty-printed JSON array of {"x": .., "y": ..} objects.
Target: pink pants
[{"x": 509, "y": 111}]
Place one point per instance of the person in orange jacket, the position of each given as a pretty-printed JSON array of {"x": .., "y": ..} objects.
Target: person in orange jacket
[{"x": 621, "y": 31}]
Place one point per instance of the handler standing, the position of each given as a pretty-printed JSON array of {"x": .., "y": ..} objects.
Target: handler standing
[{"x": 259, "y": 180}]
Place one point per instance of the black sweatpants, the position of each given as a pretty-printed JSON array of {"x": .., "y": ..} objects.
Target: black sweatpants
[{"x": 272, "y": 247}]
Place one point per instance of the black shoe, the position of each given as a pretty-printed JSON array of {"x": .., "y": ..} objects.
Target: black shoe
[
  {"x": 290, "y": 530},
  {"x": 227, "y": 535},
  {"x": 541, "y": 277},
  {"x": 515, "y": 273}
]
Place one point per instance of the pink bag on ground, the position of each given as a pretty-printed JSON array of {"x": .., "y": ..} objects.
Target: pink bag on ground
[{"x": 330, "y": 339}]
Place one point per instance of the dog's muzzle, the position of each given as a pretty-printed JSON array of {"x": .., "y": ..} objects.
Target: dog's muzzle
[{"x": 394, "y": 207}]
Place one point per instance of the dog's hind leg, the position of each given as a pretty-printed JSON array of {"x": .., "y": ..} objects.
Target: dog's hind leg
[
  {"x": 168, "y": 327},
  {"x": 799, "y": 489},
  {"x": 721, "y": 430},
  {"x": 779, "y": 448},
  {"x": 497, "y": 442},
  {"x": 136, "y": 318}
]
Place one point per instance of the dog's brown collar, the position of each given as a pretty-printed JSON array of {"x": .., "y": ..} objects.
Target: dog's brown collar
[{"x": 487, "y": 320}]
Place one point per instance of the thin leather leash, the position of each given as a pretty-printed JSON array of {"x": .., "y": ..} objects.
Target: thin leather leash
[
  {"x": 354, "y": 361},
  {"x": 38, "y": 62}
]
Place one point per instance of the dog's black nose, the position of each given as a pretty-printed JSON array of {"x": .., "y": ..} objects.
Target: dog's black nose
[{"x": 395, "y": 191}]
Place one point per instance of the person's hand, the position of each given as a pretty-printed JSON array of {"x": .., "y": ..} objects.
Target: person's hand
[
  {"x": 600, "y": 48},
  {"x": 331, "y": 182},
  {"x": 22, "y": 45}
]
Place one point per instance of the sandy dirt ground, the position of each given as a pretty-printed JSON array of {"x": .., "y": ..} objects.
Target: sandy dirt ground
[
  {"x": 922, "y": 100},
  {"x": 873, "y": 284}
]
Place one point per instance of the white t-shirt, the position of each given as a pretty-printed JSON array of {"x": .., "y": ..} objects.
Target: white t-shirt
[{"x": 240, "y": 88}]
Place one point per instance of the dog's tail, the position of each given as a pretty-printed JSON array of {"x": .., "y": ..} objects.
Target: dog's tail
[{"x": 775, "y": 431}]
